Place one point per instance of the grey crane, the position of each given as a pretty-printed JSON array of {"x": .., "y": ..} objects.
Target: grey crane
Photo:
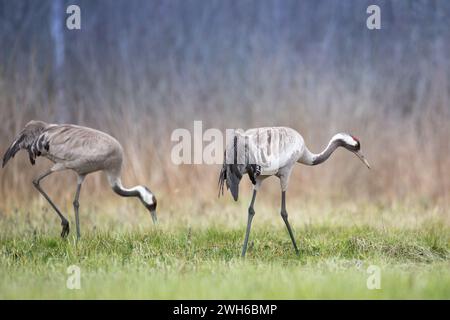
[
  {"x": 81, "y": 149},
  {"x": 264, "y": 152}
]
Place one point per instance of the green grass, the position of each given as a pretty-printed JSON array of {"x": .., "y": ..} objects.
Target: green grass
[{"x": 201, "y": 261}]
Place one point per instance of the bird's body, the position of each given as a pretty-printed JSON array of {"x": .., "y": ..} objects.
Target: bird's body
[
  {"x": 81, "y": 149},
  {"x": 274, "y": 148},
  {"x": 268, "y": 151}
]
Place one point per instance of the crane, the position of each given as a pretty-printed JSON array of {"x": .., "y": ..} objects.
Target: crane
[
  {"x": 80, "y": 149},
  {"x": 273, "y": 151}
]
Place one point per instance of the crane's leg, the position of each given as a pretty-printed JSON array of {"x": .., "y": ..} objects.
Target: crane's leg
[
  {"x": 76, "y": 205},
  {"x": 251, "y": 213},
  {"x": 284, "y": 215},
  {"x": 64, "y": 222}
]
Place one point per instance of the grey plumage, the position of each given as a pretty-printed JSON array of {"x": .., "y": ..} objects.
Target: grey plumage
[
  {"x": 263, "y": 152},
  {"x": 81, "y": 149}
]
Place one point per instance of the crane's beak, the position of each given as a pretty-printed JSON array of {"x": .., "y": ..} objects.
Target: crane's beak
[
  {"x": 362, "y": 158},
  {"x": 153, "y": 213}
]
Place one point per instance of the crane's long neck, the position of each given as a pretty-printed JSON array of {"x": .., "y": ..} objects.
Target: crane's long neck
[
  {"x": 312, "y": 159},
  {"x": 125, "y": 192},
  {"x": 144, "y": 194},
  {"x": 116, "y": 184}
]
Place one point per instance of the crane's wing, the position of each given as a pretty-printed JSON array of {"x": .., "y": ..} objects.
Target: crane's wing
[
  {"x": 231, "y": 176},
  {"x": 273, "y": 147},
  {"x": 236, "y": 163},
  {"x": 222, "y": 177},
  {"x": 29, "y": 139},
  {"x": 230, "y": 173},
  {"x": 76, "y": 143}
]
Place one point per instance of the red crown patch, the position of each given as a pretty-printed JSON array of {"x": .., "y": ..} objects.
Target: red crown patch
[{"x": 355, "y": 138}]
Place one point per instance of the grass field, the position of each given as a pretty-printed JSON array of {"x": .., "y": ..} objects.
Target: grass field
[
  {"x": 122, "y": 255},
  {"x": 139, "y": 70}
]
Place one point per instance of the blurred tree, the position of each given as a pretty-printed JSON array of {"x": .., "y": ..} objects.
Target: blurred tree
[{"x": 57, "y": 34}]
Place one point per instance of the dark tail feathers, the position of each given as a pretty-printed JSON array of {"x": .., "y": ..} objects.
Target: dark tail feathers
[
  {"x": 222, "y": 178},
  {"x": 12, "y": 150},
  {"x": 230, "y": 175},
  {"x": 25, "y": 140}
]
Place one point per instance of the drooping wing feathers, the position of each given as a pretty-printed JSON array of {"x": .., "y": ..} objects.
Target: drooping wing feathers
[
  {"x": 233, "y": 169},
  {"x": 13, "y": 149},
  {"x": 229, "y": 169},
  {"x": 222, "y": 177},
  {"x": 30, "y": 139}
]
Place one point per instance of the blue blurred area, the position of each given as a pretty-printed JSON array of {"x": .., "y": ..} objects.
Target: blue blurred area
[
  {"x": 217, "y": 42},
  {"x": 140, "y": 69}
]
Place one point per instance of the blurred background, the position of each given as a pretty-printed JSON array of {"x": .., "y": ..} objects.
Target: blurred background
[{"x": 140, "y": 69}]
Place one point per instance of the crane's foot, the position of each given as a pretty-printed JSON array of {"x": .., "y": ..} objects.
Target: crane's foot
[{"x": 65, "y": 229}]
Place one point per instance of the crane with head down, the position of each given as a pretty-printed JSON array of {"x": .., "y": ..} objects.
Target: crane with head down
[
  {"x": 264, "y": 152},
  {"x": 80, "y": 149}
]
